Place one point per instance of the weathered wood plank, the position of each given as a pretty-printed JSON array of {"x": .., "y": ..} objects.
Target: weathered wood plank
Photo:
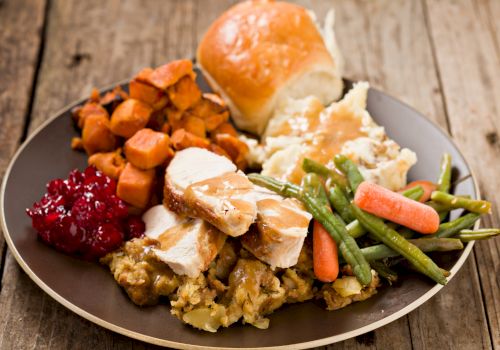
[
  {"x": 20, "y": 38},
  {"x": 465, "y": 41}
]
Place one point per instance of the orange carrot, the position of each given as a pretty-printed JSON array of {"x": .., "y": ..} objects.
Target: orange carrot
[
  {"x": 428, "y": 187},
  {"x": 394, "y": 207},
  {"x": 325, "y": 254}
]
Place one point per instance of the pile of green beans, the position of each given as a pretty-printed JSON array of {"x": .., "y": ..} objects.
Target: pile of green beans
[{"x": 346, "y": 222}]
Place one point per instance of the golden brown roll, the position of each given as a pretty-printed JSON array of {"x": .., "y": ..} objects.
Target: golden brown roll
[{"x": 260, "y": 51}]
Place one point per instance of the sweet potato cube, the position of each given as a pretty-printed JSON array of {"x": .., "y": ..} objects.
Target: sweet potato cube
[
  {"x": 146, "y": 93},
  {"x": 184, "y": 94},
  {"x": 96, "y": 135},
  {"x": 135, "y": 186},
  {"x": 129, "y": 117},
  {"x": 174, "y": 117},
  {"x": 194, "y": 125},
  {"x": 90, "y": 108},
  {"x": 110, "y": 163},
  {"x": 236, "y": 149},
  {"x": 212, "y": 110},
  {"x": 214, "y": 120},
  {"x": 168, "y": 74},
  {"x": 225, "y": 128},
  {"x": 148, "y": 148},
  {"x": 182, "y": 139}
]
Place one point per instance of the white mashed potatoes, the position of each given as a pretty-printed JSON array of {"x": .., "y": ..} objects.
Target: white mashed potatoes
[{"x": 304, "y": 128}]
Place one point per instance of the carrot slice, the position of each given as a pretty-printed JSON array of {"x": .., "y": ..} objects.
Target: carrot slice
[
  {"x": 428, "y": 187},
  {"x": 325, "y": 254},
  {"x": 394, "y": 207}
]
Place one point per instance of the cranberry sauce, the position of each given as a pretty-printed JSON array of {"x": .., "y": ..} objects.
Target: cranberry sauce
[{"x": 82, "y": 216}]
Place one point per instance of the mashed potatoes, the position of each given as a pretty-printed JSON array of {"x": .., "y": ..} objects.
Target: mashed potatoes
[{"x": 304, "y": 128}]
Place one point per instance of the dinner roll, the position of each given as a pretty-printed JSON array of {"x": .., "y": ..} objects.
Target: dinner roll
[{"x": 260, "y": 51}]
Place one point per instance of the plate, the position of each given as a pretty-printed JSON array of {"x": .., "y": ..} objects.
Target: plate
[{"x": 89, "y": 290}]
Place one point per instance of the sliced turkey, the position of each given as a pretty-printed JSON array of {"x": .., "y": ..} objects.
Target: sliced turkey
[
  {"x": 190, "y": 166},
  {"x": 226, "y": 201},
  {"x": 281, "y": 228},
  {"x": 187, "y": 246}
]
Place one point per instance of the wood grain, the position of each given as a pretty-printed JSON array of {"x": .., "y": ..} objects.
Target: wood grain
[
  {"x": 465, "y": 41},
  {"x": 439, "y": 57},
  {"x": 20, "y": 38}
]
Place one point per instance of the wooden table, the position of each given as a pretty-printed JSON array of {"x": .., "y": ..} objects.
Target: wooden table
[{"x": 441, "y": 57}]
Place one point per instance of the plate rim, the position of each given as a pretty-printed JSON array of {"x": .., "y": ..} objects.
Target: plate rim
[{"x": 177, "y": 345}]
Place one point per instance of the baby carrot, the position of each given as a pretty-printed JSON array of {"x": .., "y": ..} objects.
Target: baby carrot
[
  {"x": 427, "y": 186},
  {"x": 394, "y": 207},
  {"x": 325, "y": 254}
]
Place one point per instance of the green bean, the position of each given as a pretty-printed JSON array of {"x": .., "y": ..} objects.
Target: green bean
[
  {"x": 381, "y": 251},
  {"x": 312, "y": 185},
  {"x": 451, "y": 228},
  {"x": 384, "y": 271},
  {"x": 346, "y": 244},
  {"x": 311, "y": 166},
  {"x": 340, "y": 203},
  {"x": 476, "y": 235},
  {"x": 454, "y": 202},
  {"x": 444, "y": 180},
  {"x": 393, "y": 240},
  {"x": 439, "y": 207},
  {"x": 355, "y": 229},
  {"x": 414, "y": 193},
  {"x": 350, "y": 170}
]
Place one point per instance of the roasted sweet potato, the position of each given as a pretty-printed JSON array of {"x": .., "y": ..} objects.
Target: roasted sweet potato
[
  {"x": 76, "y": 143},
  {"x": 236, "y": 149},
  {"x": 149, "y": 94},
  {"x": 89, "y": 108},
  {"x": 135, "y": 186},
  {"x": 184, "y": 94},
  {"x": 96, "y": 134},
  {"x": 110, "y": 163},
  {"x": 218, "y": 150},
  {"x": 165, "y": 128},
  {"x": 194, "y": 125},
  {"x": 225, "y": 128},
  {"x": 211, "y": 109},
  {"x": 182, "y": 139},
  {"x": 129, "y": 117},
  {"x": 112, "y": 99},
  {"x": 215, "y": 99},
  {"x": 148, "y": 149},
  {"x": 174, "y": 117},
  {"x": 168, "y": 74}
]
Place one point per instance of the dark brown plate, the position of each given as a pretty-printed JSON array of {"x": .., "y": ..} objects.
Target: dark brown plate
[{"x": 90, "y": 291}]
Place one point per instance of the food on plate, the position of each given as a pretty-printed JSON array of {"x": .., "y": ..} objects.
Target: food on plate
[
  {"x": 135, "y": 186},
  {"x": 82, "y": 215},
  {"x": 166, "y": 204},
  {"x": 395, "y": 207},
  {"x": 427, "y": 188},
  {"x": 326, "y": 261},
  {"x": 148, "y": 149},
  {"x": 281, "y": 228},
  {"x": 305, "y": 129},
  {"x": 275, "y": 50},
  {"x": 190, "y": 166}
]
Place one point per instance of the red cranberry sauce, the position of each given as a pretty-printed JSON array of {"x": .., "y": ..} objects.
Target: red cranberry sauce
[{"x": 82, "y": 215}]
